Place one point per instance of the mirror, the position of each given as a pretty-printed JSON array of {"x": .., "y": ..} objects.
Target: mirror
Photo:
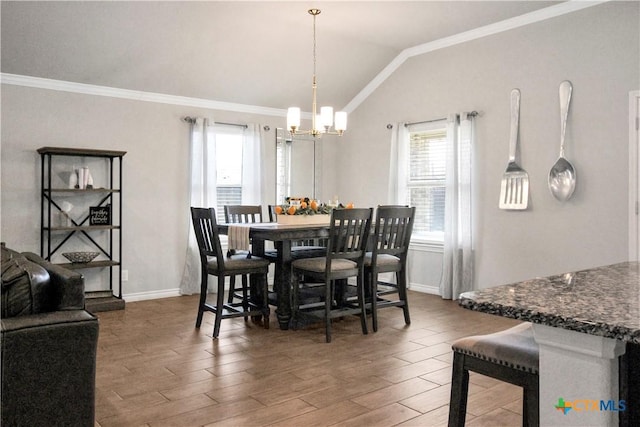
[{"x": 297, "y": 166}]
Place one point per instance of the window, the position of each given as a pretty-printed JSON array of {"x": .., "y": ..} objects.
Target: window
[
  {"x": 228, "y": 169},
  {"x": 425, "y": 179}
]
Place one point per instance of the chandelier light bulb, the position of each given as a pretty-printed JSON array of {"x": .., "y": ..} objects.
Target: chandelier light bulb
[
  {"x": 326, "y": 116},
  {"x": 341, "y": 121},
  {"x": 293, "y": 118}
]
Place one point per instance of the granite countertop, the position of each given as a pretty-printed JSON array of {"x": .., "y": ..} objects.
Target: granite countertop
[{"x": 603, "y": 301}]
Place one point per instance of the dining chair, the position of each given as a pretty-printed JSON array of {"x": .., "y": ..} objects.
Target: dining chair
[
  {"x": 348, "y": 234},
  {"x": 241, "y": 214},
  {"x": 307, "y": 248},
  {"x": 390, "y": 246},
  {"x": 213, "y": 262}
]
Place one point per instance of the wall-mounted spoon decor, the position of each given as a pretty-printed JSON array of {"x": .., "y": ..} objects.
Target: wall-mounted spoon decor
[{"x": 562, "y": 176}]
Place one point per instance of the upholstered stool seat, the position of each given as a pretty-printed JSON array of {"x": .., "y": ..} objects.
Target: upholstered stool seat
[{"x": 511, "y": 356}]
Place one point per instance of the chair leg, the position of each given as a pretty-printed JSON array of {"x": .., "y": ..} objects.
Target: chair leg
[
  {"x": 265, "y": 300},
  {"x": 327, "y": 308},
  {"x": 245, "y": 295},
  {"x": 401, "y": 279},
  {"x": 219, "y": 307},
  {"x": 232, "y": 288},
  {"x": 295, "y": 305},
  {"x": 373, "y": 286},
  {"x": 362, "y": 303},
  {"x": 459, "y": 391},
  {"x": 203, "y": 297}
]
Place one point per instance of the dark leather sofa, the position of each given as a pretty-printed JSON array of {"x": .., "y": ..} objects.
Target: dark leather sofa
[{"x": 48, "y": 345}]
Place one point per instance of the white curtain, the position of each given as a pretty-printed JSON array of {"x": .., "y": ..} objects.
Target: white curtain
[
  {"x": 398, "y": 165},
  {"x": 253, "y": 182},
  {"x": 202, "y": 193},
  {"x": 398, "y": 172},
  {"x": 457, "y": 273}
]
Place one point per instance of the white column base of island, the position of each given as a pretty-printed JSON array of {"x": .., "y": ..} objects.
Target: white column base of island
[{"x": 582, "y": 370}]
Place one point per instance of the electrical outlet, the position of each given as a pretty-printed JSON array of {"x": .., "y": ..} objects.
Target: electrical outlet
[{"x": 125, "y": 275}]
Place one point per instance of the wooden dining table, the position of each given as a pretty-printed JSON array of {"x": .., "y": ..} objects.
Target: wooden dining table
[{"x": 282, "y": 236}]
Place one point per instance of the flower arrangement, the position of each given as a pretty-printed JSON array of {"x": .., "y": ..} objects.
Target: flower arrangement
[{"x": 306, "y": 206}]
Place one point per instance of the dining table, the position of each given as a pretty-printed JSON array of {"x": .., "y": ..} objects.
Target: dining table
[
  {"x": 283, "y": 237},
  {"x": 587, "y": 326}
]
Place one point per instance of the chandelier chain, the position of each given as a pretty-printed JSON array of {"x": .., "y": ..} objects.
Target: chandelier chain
[
  {"x": 320, "y": 124},
  {"x": 314, "y": 46}
]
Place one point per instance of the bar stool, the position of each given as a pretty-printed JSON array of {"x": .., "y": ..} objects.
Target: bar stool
[{"x": 511, "y": 356}]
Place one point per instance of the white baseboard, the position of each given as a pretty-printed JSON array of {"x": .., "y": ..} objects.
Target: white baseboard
[
  {"x": 168, "y": 293},
  {"x": 143, "y": 296},
  {"x": 425, "y": 289}
]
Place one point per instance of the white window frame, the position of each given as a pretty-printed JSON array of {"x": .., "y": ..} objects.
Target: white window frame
[
  {"x": 225, "y": 131},
  {"x": 425, "y": 239}
]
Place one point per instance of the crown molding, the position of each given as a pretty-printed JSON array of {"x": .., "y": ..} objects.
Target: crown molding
[
  {"x": 135, "y": 95},
  {"x": 477, "y": 33}
]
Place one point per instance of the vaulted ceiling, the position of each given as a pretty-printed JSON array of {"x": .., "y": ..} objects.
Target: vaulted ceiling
[{"x": 255, "y": 53}]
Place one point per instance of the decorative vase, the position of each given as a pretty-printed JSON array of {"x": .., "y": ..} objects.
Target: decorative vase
[{"x": 73, "y": 179}]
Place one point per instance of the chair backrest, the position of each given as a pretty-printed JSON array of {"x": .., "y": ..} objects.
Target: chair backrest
[
  {"x": 207, "y": 236},
  {"x": 272, "y": 213},
  {"x": 242, "y": 214},
  {"x": 348, "y": 234},
  {"x": 392, "y": 231}
]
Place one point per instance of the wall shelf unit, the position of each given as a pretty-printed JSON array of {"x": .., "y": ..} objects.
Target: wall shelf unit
[{"x": 61, "y": 230}]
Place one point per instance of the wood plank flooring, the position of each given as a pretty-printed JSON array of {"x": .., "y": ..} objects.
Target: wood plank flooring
[{"x": 155, "y": 369}]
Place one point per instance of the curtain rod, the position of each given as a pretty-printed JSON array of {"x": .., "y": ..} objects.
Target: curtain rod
[
  {"x": 472, "y": 114},
  {"x": 193, "y": 120}
]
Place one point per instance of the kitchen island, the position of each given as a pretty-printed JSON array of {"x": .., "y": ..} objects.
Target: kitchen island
[{"x": 584, "y": 322}]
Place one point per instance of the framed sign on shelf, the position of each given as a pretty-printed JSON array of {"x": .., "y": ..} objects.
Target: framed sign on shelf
[{"x": 100, "y": 215}]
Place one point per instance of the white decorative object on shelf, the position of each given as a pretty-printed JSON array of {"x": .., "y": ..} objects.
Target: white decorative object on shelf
[
  {"x": 65, "y": 219},
  {"x": 73, "y": 178},
  {"x": 81, "y": 178}
]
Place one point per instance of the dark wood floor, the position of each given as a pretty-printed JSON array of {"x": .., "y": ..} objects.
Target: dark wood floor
[{"x": 155, "y": 369}]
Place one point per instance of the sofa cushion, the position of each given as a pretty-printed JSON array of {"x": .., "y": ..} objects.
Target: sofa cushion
[{"x": 25, "y": 287}]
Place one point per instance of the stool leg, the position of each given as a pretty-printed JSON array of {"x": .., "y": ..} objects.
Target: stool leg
[
  {"x": 373, "y": 289},
  {"x": 219, "y": 307},
  {"x": 265, "y": 300},
  {"x": 459, "y": 392},
  {"x": 327, "y": 307},
  {"x": 530, "y": 402},
  {"x": 204, "y": 282},
  {"x": 232, "y": 288}
]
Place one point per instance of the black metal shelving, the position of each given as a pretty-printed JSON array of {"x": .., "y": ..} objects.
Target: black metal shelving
[{"x": 54, "y": 237}]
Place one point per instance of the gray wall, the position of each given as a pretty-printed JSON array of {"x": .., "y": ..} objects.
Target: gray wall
[
  {"x": 597, "y": 49},
  {"x": 155, "y": 184}
]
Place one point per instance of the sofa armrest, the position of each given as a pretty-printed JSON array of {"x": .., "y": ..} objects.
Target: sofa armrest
[
  {"x": 48, "y": 368},
  {"x": 68, "y": 283}
]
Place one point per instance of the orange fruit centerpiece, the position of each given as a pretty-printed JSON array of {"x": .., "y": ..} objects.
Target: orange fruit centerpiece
[
  {"x": 314, "y": 205},
  {"x": 291, "y": 210},
  {"x": 349, "y": 205},
  {"x": 303, "y": 205},
  {"x": 278, "y": 210}
]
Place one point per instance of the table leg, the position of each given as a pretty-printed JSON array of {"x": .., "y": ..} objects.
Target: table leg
[
  {"x": 257, "y": 297},
  {"x": 282, "y": 283}
]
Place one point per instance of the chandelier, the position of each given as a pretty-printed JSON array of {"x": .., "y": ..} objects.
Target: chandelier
[{"x": 320, "y": 123}]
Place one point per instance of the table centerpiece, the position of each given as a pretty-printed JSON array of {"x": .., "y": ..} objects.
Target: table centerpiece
[{"x": 303, "y": 210}]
